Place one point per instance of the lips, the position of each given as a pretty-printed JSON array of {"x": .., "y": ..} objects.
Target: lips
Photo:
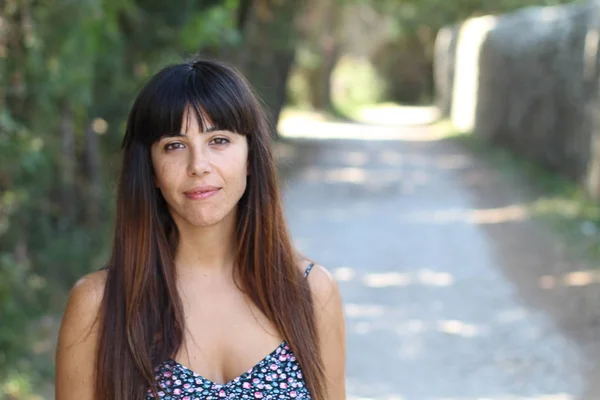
[{"x": 202, "y": 192}]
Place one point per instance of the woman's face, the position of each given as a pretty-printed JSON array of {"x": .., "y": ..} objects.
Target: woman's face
[{"x": 201, "y": 175}]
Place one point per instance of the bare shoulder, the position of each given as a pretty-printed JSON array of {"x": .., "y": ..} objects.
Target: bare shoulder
[
  {"x": 92, "y": 283},
  {"x": 324, "y": 288},
  {"x": 81, "y": 312},
  {"x": 329, "y": 316},
  {"x": 78, "y": 337},
  {"x": 86, "y": 295}
]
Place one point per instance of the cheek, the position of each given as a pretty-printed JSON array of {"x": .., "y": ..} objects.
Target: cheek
[
  {"x": 238, "y": 172},
  {"x": 243, "y": 162},
  {"x": 164, "y": 174},
  {"x": 243, "y": 170}
]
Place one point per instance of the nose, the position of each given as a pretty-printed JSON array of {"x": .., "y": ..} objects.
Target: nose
[{"x": 199, "y": 162}]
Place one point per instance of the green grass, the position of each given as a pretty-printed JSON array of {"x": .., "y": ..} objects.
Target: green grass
[{"x": 559, "y": 201}]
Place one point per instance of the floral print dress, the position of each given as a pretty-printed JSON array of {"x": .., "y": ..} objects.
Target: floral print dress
[{"x": 277, "y": 376}]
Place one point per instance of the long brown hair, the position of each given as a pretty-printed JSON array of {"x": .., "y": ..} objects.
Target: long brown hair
[{"x": 141, "y": 318}]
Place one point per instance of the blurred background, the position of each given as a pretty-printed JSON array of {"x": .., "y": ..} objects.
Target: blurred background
[{"x": 441, "y": 158}]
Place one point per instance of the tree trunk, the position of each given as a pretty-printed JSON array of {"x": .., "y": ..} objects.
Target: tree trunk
[
  {"x": 243, "y": 13},
  {"x": 592, "y": 178},
  {"x": 269, "y": 50},
  {"x": 319, "y": 79},
  {"x": 94, "y": 176},
  {"x": 67, "y": 165},
  {"x": 320, "y": 29}
]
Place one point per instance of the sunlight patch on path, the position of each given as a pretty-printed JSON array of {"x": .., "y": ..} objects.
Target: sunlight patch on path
[
  {"x": 306, "y": 125},
  {"x": 399, "y": 115}
]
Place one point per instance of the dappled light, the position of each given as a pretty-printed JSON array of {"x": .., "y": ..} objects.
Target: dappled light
[
  {"x": 432, "y": 278},
  {"x": 343, "y": 274},
  {"x": 424, "y": 277},
  {"x": 572, "y": 279},
  {"x": 592, "y": 42},
  {"x": 362, "y": 176},
  {"x": 550, "y": 14},
  {"x": 386, "y": 280},
  {"x": 392, "y": 158},
  {"x": 444, "y": 162},
  {"x": 581, "y": 278},
  {"x": 509, "y": 213},
  {"x": 356, "y": 158},
  {"x": 363, "y": 310},
  {"x": 458, "y": 328},
  {"x": 422, "y": 304},
  {"x": 342, "y": 175},
  {"x": 450, "y": 327},
  {"x": 440, "y": 159}
]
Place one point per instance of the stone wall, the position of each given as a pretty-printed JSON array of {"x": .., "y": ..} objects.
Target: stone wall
[
  {"x": 528, "y": 81},
  {"x": 443, "y": 66}
]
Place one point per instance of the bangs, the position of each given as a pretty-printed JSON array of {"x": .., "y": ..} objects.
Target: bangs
[{"x": 217, "y": 98}]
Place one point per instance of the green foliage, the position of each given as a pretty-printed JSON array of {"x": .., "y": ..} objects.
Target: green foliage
[
  {"x": 411, "y": 14},
  {"x": 357, "y": 84},
  {"x": 65, "y": 63},
  {"x": 17, "y": 386},
  {"x": 211, "y": 29}
]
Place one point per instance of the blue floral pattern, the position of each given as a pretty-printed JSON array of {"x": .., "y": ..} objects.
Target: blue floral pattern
[{"x": 277, "y": 376}]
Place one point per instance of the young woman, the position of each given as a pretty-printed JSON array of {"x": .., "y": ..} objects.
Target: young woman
[{"x": 204, "y": 296}]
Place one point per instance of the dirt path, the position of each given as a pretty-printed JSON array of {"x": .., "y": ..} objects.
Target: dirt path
[{"x": 451, "y": 290}]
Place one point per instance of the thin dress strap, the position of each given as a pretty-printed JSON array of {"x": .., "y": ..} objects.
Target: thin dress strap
[{"x": 308, "y": 269}]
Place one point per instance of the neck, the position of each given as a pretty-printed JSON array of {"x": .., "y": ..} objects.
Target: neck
[{"x": 209, "y": 250}]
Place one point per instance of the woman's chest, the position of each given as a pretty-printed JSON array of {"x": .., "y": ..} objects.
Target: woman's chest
[
  {"x": 225, "y": 337},
  {"x": 277, "y": 376},
  {"x": 217, "y": 309}
]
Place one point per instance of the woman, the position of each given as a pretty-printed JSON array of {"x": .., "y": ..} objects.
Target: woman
[{"x": 204, "y": 296}]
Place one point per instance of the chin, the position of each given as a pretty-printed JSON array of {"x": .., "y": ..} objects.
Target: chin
[{"x": 205, "y": 220}]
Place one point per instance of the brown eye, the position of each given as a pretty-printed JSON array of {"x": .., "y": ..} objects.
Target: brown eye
[
  {"x": 174, "y": 146},
  {"x": 220, "y": 141}
]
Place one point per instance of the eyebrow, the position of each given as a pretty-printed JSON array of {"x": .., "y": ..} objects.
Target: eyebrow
[{"x": 179, "y": 134}]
